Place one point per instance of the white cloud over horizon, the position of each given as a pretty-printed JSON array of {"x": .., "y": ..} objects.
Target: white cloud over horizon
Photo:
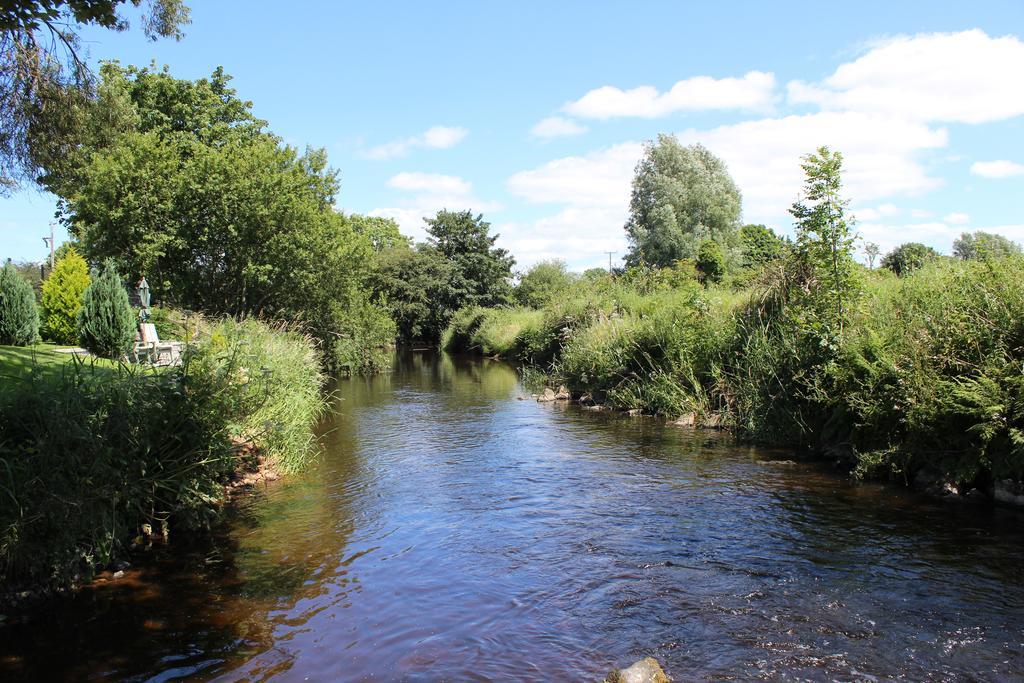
[{"x": 437, "y": 137}]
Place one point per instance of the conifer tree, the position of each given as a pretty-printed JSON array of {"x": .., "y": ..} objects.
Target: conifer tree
[
  {"x": 62, "y": 298},
  {"x": 106, "y": 322},
  {"x": 19, "y": 319}
]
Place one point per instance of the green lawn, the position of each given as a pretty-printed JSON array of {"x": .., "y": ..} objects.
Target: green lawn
[{"x": 41, "y": 363}]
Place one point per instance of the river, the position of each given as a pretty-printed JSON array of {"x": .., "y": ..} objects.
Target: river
[{"x": 454, "y": 532}]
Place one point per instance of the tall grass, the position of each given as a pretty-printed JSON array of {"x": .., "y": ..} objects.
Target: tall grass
[
  {"x": 87, "y": 457},
  {"x": 927, "y": 376}
]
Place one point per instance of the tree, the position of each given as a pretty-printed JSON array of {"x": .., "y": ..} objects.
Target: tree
[
  {"x": 542, "y": 282},
  {"x": 908, "y": 257},
  {"x": 760, "y": 245},
  {"x": 62, "y": 298},
  {"x": 382, "y": 233},
  {"x": 981, "y": 245},
  {"x": 824, "y": 241},
  {"x": 711, "y": 262},
  {"x": 44, "y": 81},
  {"x": 871, "y": 250},
  {"x": 19, "y": 319},
  {"x": 480, "y": 272},
  {"x": 681, "y": 196},
  {"x": 106, "y": 322},
  {"x": 411, "y": 282}
]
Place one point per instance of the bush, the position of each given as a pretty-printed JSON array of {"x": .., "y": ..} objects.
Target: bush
[
  {"x": 19, "y": 319},
  {"x": 106, "y": 322},
  {"x": 62, "y": 298}
]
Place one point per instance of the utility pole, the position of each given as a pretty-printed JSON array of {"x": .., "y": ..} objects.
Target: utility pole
[
  {"x": 49, "y": 241},
  {"x": 610, "y": 260}
]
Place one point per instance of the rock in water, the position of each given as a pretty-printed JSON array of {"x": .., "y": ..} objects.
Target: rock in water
[
  {"x": 548, "y": 395},
  {"x": 647, "y": 670},
  {"x": 563, "y": 394}
]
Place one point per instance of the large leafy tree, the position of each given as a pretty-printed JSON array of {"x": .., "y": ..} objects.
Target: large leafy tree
[
  {"x": 681, "y": 197},
  {"x": 179, "y": 182},
  {"x": 980, "y": 245},
  {"x": 480, "y": 272},
  {"x": 44, "y": 79},
  {"x": 411, "y": 280},
  {"x": 909, "y": 257}
]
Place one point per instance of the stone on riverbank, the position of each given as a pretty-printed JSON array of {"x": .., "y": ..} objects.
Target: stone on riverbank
[
  {"x": 686, "y": 420},
  {"x": 563, "y": 394},
  {"x": 547, "y": 396},
  {"x": 647, "y": 670}
]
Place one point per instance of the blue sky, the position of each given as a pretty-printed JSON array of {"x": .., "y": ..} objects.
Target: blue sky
[{"x": 535, "y": 113}]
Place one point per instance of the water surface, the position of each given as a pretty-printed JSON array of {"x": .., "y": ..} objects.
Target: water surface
[{"x": 453, "y": 532}]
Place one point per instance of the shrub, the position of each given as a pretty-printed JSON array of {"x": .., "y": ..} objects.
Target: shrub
[
  {"x": 19, "y": 319},
  {"x": 711, "y": 261},
  {"x": 106, "y": 322},
  {"x": 62, "y": 298}
]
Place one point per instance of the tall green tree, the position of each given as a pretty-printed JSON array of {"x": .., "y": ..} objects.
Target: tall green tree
[
  {"x": 106, "y": 322},
  {"x": 824, "y": 243},
  {"x": 44, "y": 80},
  {"x": 908, "y": 257},
  {"x": 62, "y": 298},
  {"x": 19, "y": 318},
  {"x": 481, "y": 273},
  {"x": 681, "y": 197},
  {"x": 980, "y": 245}
]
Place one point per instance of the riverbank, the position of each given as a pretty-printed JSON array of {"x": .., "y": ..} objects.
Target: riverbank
[
  {"x": 97, "y": 456},
  {"x": 922, "y": 385}
]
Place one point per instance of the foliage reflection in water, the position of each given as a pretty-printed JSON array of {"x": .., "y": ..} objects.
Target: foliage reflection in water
[{"x": 451, "y": 531}]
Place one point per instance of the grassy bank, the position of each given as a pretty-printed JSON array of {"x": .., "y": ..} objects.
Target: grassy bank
[
  {"x": 925, "y": 378},
  {"x": 89, "y": 453}
]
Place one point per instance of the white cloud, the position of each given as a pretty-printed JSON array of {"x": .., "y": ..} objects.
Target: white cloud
[
  {"x": 433, "y": 183},
  {"x": 578, "y": 235},
  {"x": 881, "y": 157},
  {"x": 869, "y": 213},
  {"x": 966, "y": 77},
  {"x": 556, "y": 126},
  {"x": 997, "y": 169},
  {"x": 957, "y": 218},
  {"x": 755, "y": 90},
  {"x": 438, "y": 137},
  {"x": 601, "y": 178},
  {"x": 428, "y": 194}
]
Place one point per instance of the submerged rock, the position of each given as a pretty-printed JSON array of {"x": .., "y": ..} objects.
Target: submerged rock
[
  {"x": 712, "y": 421},
  {"x": 547, "y": 396},
  {"x": 647, "y": 670},
  {"x": 686, "y": 420},
  {"x": 563, "y": 394}
]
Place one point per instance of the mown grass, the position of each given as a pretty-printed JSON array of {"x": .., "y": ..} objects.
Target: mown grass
[{"x": 927, "y": 375}]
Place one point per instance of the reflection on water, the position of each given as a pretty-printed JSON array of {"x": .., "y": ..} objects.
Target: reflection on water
[{"x": 454, "y": 532}]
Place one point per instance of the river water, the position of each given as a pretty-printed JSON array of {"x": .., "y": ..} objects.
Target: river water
[{"x": 454, "y": 532}]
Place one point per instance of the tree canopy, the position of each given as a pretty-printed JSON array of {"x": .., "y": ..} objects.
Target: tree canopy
[
  {"x": 542, "y": 282},
  {"x": 44, "y": 79},
  {"x": 480, "y": 272},
  {"x": 981, "y": 245},
  {"x": 681, "y": 197},
  {"x": 760, "y": 245},
  {"x": 908, "y": 257}
]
